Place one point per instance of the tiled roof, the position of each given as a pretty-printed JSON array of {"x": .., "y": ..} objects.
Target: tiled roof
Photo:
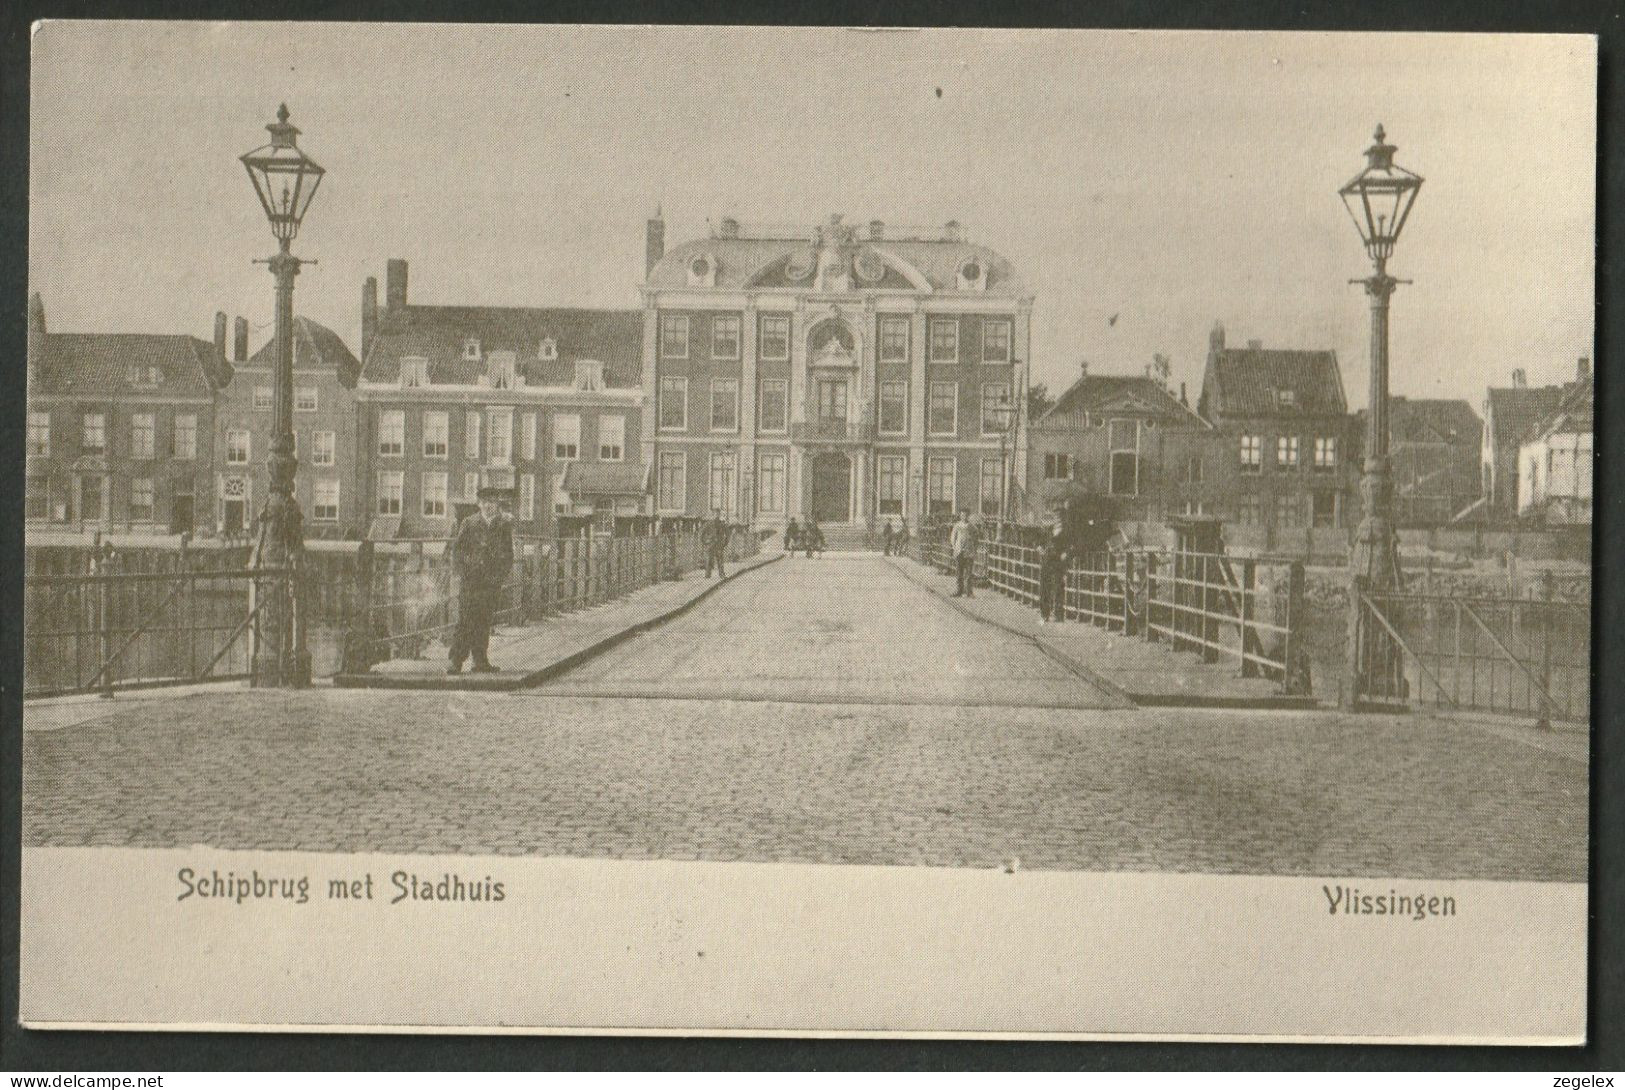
[
  {"x": 605, "y": 478},
  {"x": 437, "y": 333},
  {"x": 1434, "y": 420},
  {"x": 1517, "y": 409},
  {"x": 1091, "y": 392},
  {"x": 1574, "y": 413},
  {"x": 100, "y": 364},
  {"x": 1251, "y": 381},
  {"x": 315, "y": 347},
  {"x": 740, "y": 261}
]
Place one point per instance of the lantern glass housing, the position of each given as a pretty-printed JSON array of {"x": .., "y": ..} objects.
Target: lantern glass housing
[
  {"x": 284, "y": 177},
  {"x": 1379, "y": 198}
]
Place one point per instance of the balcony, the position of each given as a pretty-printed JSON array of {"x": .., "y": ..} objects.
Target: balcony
[{"x": 823, "y": 429}]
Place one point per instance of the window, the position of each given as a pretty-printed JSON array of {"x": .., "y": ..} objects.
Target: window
[
  {"x": 324, "y": 504},
  {"x": 414, "y": 372},
  {"x": 893, "y": 408},
  {"x": 1325, "y": 452},
  {"x": 390, "y": 486},
  {"x": 471, "y": 348},
  {"x": 94, "y": 439},
  {"x": 143, "y": 435},
  {"x": 722, "y": 481},
  {"x": 1057, "y": 467},
  {"x": 770, "y": 483},
  {"x": 548, "y": 349},
  {"x": 38, "y": 503},
  {"x": 832, "y": 399},
  {"x": 471, "y": 435},
  {"x": 1286, "y": 451},
  {"x": 142, "y": 376},
  {"x": 941, "y": 500},
  {"x": 500, "y": 376},
  {"x": 674, "y": 336},
  {"x": 1288, "y": 511},
  {"x": 304, "y": 399},
  {"x": 725, "y": 337},
  {"x": 1193, "y": 469},
  {"x": 527, "y": 438},
  {"x": 436, "y": 435},
  {"x": 945, "y": 340},
  {"x": 673, "y": 404},
  {"x": 499, "y": 448},
  {"x": 893, "y": 340},
  {"x": 611, "y": 438},
  {"x": 724, "y": 404},
  {"x": 392, "y": 433},
  {"x": 262, "y": 399},
  {"x": 1252, "y": 454},
  {"x": 1325, "y": 508},
  {"x": 891, "y": 477},
  {"x": 1286, "y": 399},
  {"x": 141, "y": 499},
  {"x": 673, "y": 486},
  {"x": 944, "y": 408},
  {"x": 39, "y": 434},
  {"x": 992, "y": 486},
  {"x": 1125, "y": 452},
  {"x": 1251, "y": 510},
  {"x": 566, "y": 437},
  {"x": 434, "y": 495},
  {"x": 527, "y": 496},
  {"x": 237, "y": 447},
  {"x": 773, "y": 337},
  {"x": 184, "y": 445},
  {"x": 995, "y": 341},
  {"x": 995, "y": 407},
  {"x": 775, "y": 404},
  {"x": 471, "y": 485}
]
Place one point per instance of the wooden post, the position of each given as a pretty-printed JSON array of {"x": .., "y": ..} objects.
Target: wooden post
[
  {"x": 1150, "y": 595},
  {"x": 1356, "y": 628},
  {"x": 357, "y": 657},
  {"x": 1296, "y": 657},
  {"x": 1250, "y": 643},
  {"x": 1210, "y": 609}
]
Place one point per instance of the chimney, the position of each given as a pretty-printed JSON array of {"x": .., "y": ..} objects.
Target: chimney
[
  {"x": 36, "y": 335},
  {"x": 1582, "y": 369},
  {"x": 951, "y": 232},
  {"x": 877, "y": 230},
  {"x": 1182, "y": 400},
  {"x": 654, "y": 242},
  {"x": 1083, "y": 369},
  {"x": 220, "y": 333},
  {"x": 1255, "y": 344},
  {"x": 728, "y": 228},
  {"x": 1215, "y": 338},
  {"x": 395, "y": 285},
  {"x": 1519, "y": 378},
  {"x": 239, "y": 340},
  {"x": 369, "y": 313}
]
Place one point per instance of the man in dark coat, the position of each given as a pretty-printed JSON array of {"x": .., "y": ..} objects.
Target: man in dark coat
[
  {"x": 1053, "y": 555},
  {"x": 482, "y": 556},
  {"x": 886, "y": 538},
  {"x": 715, "y": 539}
]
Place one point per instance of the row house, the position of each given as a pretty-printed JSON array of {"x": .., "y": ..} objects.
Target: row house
[
  {"x": 1554, "y": 484},
  {"x": 1510, "y": 414},
  {"x": 324, "y": 378},
  {"x": 120, "y": 427},
  {"x": 841, "y": 373},
  {"x": 1127, "y": 437},
  {"x": 543, "y": 401},
  {"x": 1433, "y": 450}
]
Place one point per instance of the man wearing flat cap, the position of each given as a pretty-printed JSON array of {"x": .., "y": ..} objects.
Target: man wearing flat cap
[{"x": 482, "y": 555}]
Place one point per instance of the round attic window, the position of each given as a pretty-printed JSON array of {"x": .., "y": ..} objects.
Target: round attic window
[
  {"x": 700, "y": 266},
  {"x": 801, "y": 265},
  {"x": 870, "y": 267},
  {"x": 971, "y": 270}
]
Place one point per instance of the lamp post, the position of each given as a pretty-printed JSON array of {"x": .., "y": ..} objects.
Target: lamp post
[
  {"x": 1379, "y": 201},
  {"x": 285, "y": 179},
  {"x": 1005, "y": 416}
]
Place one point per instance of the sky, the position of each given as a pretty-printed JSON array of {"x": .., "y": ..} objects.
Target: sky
[{"x": 1169, "y": 179}]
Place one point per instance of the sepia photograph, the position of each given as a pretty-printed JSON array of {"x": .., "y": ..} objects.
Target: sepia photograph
[{"x": 809, "y": 531}]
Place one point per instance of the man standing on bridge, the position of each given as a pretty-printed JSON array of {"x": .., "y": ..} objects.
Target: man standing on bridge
[
  {"x": 482, "y": 555},
  {"x": 1052, "y": 575},
  {"x": 715, "y": 539},
  {"x": 962, "y": 542}
]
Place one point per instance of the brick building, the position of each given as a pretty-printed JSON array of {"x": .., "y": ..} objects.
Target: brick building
[
  {"x": 542, "y": 400},
  {"x": 120, "y": 427},
  {"x": 843, "y": 373}
]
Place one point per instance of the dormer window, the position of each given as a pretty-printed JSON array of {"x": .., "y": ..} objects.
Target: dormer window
[
  {"x": 549, "y": 350},
  {"x": 1286, "y": 398},
  {"x": 589, "y": 375},
  {"x": 414, "y": 372},
  {"x": 502, "y": 371},
  {"x": 142, "y": 376},
  {"x": 471, "y": 348}
]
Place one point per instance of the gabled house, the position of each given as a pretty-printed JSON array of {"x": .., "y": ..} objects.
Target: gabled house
[
  {"x": 1554, "y": 483},
  {"x": 1510, "y": 413}
]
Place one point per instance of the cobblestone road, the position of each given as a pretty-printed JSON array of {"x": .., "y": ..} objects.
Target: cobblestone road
[{"x": 694, "y": 777}]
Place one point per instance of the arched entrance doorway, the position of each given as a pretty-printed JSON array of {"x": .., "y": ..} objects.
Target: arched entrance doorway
[{"x": 831, "y": 486}]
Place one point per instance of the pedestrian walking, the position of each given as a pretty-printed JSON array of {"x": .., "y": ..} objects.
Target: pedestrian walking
[
  {"x": 812, "y": 537},
  {"x": 482, "y": 556},
  {"x": 962, "y": 543},
  {"x": 792, "y": 537},
  {"x": 902, "y": 537},
  {"x": 886, "y": 539},
  {"x": 715, "y": 539},
  {"x": 1053, "y": 555}
]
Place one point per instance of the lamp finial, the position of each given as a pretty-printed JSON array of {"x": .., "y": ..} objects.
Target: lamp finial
[{"x": 282, "y": 116}]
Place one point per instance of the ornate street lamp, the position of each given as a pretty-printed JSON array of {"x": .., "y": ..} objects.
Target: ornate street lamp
[
  {"x": 285, "y": 179},
  {"x": 1379, "y": 201}
]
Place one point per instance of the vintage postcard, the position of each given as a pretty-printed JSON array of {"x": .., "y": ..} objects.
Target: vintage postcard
[{"x": 808, "y": 531}]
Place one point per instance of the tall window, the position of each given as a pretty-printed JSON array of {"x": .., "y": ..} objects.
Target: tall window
[
  {"x": 941, "y": 484},
  {"x": 893, "y": 408},
  {"x": 237, "y": 447},
  {"x": 1125, "y": 451},
  {"x": 891, "y": 477},
  {"x": 391, "y": 484},
  {"x": 566, "y": 437},
  {"x": 1252, "y": 454},
  {"x": 471, "y": 435},
  {"x": 1193, "y": 469},
  {"x": 499, "y": 448},
  {"x": 893, "y": 340},
  {"x": 673, "y": 403},
  {"x": 527, "y": 496},
  {"x": 832, "y": 399},
  {"x": 1251, "y": 510},
  {"x": 436, "y": 435},
  {"x": 775, "y": 404},
  {"x": 724, "y": 404},
  {"x": 414, "y": 372},
  {"x": 722, "y": 481},
  {"x": 773, "y": 336},
  {"x": 611, "y": 438},
  {"x": 1325, "y": 508},
  {"x": 141, "y": 499},
  {"x": 770, "y": 483},
  {"x": 527, "y": 438},
  {"x": 944, "y": 340},
  {"x": 262, "y": 399},
  {"x": 996, "y": 407},
  {"x": 1057, "y": 466},
  {"x": 674, "y": 336},
  {"x": 944, "y": 408},
  {"x": 39, "y": 434},
  {"x": 434, "y": 495},
  {"x": 996, "y": 341},
  {"x": 1325, "y": 452},
  {"x": 392, "y": 433},
  {"x": 185, "y": 445},
  {"x": 673, "y": 489},
  {"x": 992, "y": 485},
  {"x": 143, "y": 435},
  {"x": 38, "y": 498},
  {"x": 324, "y": 504},
  {"x": 304, "y": 399},
  {"x": 94, "y": 437},
  {"x": 725, "y": 337},
  {"x": 1286, "y": 451},
  {"x": 1289, "y": 511}
]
